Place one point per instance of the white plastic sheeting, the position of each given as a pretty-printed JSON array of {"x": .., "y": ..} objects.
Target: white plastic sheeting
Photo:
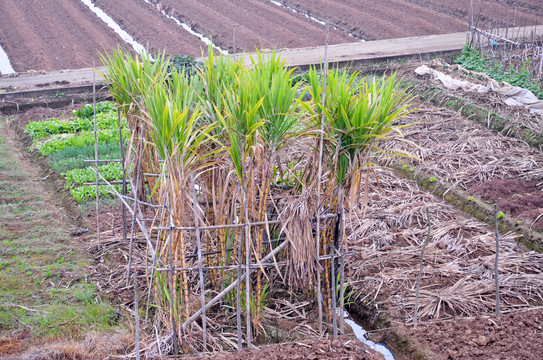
[
  {"x": 139, "y": 48},
  {"x": 5, "y": 65},
  {"x": 515, "y": 96}
]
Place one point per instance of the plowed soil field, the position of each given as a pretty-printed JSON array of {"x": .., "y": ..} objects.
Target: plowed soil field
[{"x": 63, "y": 34}]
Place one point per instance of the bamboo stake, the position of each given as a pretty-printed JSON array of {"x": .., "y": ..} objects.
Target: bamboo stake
[
  {"x": 200, "y": 265},
  {"x": 420, "y": 269},
  {"x": 136, "y": 206},
  {"x": 471, "y": 13},
  {"x": 247, "y": 268},
  {"x": 333, "y": 276},
  {"x": 123, "y": 162},
  {"x": 319, "y": 184},
  {"x": 341, "y": 218},
  {"x": 96, "y": 155},
  {"x": 170, "y": 281},
  {"x": 238, "y": 297},
  {"x": 496, "y": 272},
  {"x": 136, "y": 314},
  {"x": 153, "y": 268}
]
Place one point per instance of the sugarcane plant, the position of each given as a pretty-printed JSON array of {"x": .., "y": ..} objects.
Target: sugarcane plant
[
  {"x": 358, "y": 113},
  {"x": 236, "y": 129}
]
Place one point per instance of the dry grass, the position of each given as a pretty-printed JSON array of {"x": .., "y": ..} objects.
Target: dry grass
[{"x": 458, "y": 270}]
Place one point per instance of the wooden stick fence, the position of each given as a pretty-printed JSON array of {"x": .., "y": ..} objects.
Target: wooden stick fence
[{"x": 133, "y": 205}]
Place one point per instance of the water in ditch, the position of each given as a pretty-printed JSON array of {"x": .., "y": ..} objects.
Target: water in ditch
[
  {"x": 360, "y": 333},
  {"x": 5, "y": 65}
]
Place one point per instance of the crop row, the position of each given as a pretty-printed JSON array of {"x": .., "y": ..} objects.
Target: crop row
[{"x": 68, "y": 144}]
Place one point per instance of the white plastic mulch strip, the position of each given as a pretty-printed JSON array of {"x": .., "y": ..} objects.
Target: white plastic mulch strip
[
  {"x": 5, "y": 65},
  {"x": 185, "y": 26},
  {"x": 294, "y": 10},
  {"x": 139, "y": 48},
  {"x": 360, "y": 335},
  {"x": 297, "y": 12}
]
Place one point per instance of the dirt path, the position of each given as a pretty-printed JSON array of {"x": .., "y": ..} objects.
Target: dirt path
[{"x": 56, "y": 34}]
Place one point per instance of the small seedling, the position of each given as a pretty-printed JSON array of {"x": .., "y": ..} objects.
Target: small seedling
[
  {"x": 500, "y": 215},
  {"x": 470, "y": 199},
  {"x": 432, "y": 179},
  {"x": 404, "y": 166}
]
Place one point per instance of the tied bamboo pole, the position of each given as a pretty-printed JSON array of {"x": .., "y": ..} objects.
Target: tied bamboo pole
[{"x": 200, "y": 264}]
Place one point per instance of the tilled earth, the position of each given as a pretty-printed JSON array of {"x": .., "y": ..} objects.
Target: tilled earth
[
  {"x": 345, "y": 349},
  {"x": 514, "y": 336},
  {"x": 63, "y": 34}
]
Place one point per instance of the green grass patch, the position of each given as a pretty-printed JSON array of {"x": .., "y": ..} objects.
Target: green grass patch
[{"x": 43, "y": 284}]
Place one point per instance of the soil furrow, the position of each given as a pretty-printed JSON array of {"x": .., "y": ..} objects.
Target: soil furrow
[
  {"x": 69, "y": 36},
  {"x": 394, "y": 18},
  {"x": 257, "y": 24},
  {"x": 23, "y": 46},
  {"x": 147, "y": 25},
  {"x": 492, "y": 13}
]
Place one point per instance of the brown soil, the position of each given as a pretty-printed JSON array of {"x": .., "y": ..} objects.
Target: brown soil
[
  {"x": 52, "y": 35},
  {"x": 522, "y": 199},
  {"x": 344, "y": 349},
  {"x": 381, "y": 20},
  {"x": 471, "y": 157},
  {"x": 258, "y": 24},
  {"x": 492, "y": 12},
  {"x": 60, "y": 34},
  {"x": 513, "y": 336}
]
